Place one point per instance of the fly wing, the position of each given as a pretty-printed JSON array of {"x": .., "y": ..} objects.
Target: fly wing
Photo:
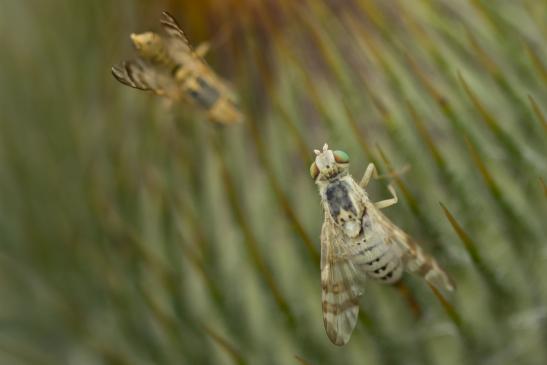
[
  {"x": 178, "y": 44},
  {"x": 341, "y": 285},
  {"x": 416, "y": 260},
  {"x": 140, "y": 75},
  {"x": 173, "y": 30},
  {"x": 133, "y": 74}
]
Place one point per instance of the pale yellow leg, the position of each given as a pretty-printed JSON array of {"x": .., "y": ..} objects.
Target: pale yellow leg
[
  {"x": 369, "y": 172},
  {"x": 388, "y": 202},
  {"x": 202, "y": 49}
]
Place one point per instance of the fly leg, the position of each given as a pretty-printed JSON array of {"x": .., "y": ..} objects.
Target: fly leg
[
  {"x": 369, "y": 172},
  {"x": 202, "y": 49},
  {"x": 388, "y": 202}
]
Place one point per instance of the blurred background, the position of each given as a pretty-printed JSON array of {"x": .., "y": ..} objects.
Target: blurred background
[{"x": 134, "y": 231}]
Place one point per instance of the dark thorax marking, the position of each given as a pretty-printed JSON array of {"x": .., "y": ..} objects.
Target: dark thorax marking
[{"x": 338, "y": 200}]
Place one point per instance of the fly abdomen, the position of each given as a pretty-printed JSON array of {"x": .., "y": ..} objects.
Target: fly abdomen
[
  {"x": 387, "y": 273},
  {"x": 370, "y": 256},
  {"x": 392, "y": 276},
  {"x": 380, "y": 262},
  {"x": 205, "y": 95}
]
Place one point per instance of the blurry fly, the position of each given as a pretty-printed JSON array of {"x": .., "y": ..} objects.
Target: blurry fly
[{"x": 168, "y": 66}]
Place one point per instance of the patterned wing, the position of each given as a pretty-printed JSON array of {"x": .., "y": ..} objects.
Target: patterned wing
[
  {"x": 142, "y": 76},
  {"x": 341, "y": 285},
  {"x": 179, "y": 47},
  {"x": 173, "y": 29},
  {"x": 417, "y": 261},
  {"x": 133, "y": 74}
]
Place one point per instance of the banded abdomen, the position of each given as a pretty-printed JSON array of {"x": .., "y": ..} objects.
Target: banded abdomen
[
  {"x": 377, "y": 258},
  {"x": 201, "y": 92},
  {"x": 381, "y": 262}
]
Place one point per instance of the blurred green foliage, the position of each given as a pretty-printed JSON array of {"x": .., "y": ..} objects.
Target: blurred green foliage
[{"x": 136, "y": 232}]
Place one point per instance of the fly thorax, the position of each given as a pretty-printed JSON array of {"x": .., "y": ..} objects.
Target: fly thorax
[
  {"x": 162, "y": 57},
  {"x": 343, "y": 207}
]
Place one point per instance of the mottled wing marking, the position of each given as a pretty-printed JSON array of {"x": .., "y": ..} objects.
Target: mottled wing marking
[
  {"x": 140, "y": 75},
  {"x": 417, "y": 261},
  {"x": 341, "y": 285},
  {"x": 173, "y": 30},
  {"x": 133, "y": 74},
  {"x": 178, "y": 44}
]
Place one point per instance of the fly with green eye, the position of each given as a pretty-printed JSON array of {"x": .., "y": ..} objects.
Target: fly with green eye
[{"x": 359, "y": 241}]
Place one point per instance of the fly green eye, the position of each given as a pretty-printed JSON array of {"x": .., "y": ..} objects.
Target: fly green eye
[
  {"x": 314, "y": 170},
  {"x": 341, "y": 156}
]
